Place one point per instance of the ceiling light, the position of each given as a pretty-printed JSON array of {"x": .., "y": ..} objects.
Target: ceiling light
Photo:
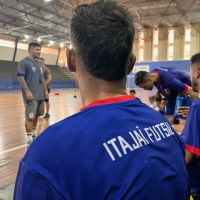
[
  {"x": 47, "y": 0},
  {"x": 39, "y": 40},
  {"x": 70, "y": 46},
  {"x": 51, "y": 42},
  {"x": 61, "y": 44},
  {"x": 26, "y": 36}
]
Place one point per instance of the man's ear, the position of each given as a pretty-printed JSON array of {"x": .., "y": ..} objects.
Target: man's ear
[
  {"x": 131, "y": 63},
  {"x": 71, "y": 59},
  {"x": 198, "y": 71}
]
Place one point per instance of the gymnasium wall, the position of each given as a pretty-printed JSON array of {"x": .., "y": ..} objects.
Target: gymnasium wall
[
  {"x": 6, "y": 53},
  {"x": 7, "y": 49}
]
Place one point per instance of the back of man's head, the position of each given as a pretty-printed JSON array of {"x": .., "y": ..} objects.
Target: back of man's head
[
  {"x": 132, "y": 91},
  {"x": 140, "y": 77},
  {"x": 102, "y": 33},
  {"x": 195, "y": 59}
]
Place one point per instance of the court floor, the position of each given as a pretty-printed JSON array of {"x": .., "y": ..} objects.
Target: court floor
[{"x": 12, "y": 132}]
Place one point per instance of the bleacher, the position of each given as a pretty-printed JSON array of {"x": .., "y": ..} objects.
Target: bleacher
[
  {"x": 9, "y": 81},
  {"x": 8, "y": 70}
]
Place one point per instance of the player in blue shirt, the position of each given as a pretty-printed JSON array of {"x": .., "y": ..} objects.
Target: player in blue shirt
[
  {"x": 116, "y": 147},
  {"x": 169, "y": 82},
  {"x": 191, "y": 132}
]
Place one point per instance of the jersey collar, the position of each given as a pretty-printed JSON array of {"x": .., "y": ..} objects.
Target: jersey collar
[{"x": 108, "y": 101}]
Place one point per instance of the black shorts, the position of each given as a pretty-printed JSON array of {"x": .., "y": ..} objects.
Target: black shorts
[{"x": 48, "y": 89}]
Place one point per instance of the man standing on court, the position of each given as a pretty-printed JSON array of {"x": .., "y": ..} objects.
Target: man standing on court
[
  {"x": 170, "y": 82},
  {"x": 116, "y": 147},
  {"x": 30, "y": 76},
  {"x": 47, "y": 78},
  {"x": 191, "y": 132}
]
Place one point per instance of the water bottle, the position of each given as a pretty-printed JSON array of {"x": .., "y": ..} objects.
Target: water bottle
[
  {"x": 180, "y": 101},
  {"x": 188, "y": 103}
]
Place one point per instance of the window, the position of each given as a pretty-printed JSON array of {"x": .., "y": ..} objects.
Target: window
[
  {"x": 170, "y": 44},
  {"x": 155, "y": 45},
  {"x": 51, "y": 51},
  {"x": 22, "y": 46},
  {"x": 141, "y": 46},
  {"x": 187, "y": 43},
  {"x": 62, "y": 60},
  {"x": 7, "y": 43}
]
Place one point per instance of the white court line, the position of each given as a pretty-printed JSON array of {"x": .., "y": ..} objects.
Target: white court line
[{"x": 13, "y": 149}]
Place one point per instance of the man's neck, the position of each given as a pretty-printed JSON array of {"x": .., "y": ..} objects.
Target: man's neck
[
  {"x": 101, "y": 90},
  {"x": 155, "y": 77},
  {"x": 199, "y": 89},
  {"x": 31, "y": 57}
]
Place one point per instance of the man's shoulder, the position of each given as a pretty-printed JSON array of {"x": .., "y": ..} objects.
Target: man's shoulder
[
  {"x": 62, "y": 129},
  {"x": 25, "y": 62},
  {"x": 26, "y": 59},
  {"x": 196, "y": 105},
  {"x": 161, "y": 69},
  {"x": 162, "y": 72},
  {"x": 194, "y": 113},
  {"x": 47, "y": 70}
]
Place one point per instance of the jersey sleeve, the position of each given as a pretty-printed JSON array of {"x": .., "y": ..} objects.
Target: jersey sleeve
[
  {"x": 21, "y": 69},
  {"x": 31, "y": 185},
  {"x": 175, "y": 84},
  {"x": 47, "y": 71},
  {"x": 191, "y": 132}
]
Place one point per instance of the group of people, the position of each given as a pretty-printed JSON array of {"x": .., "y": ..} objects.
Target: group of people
[
  {"x": 116, "y": 147},
  {"x": 171, "y": 83},
  {"x": 35, "y": 79}
]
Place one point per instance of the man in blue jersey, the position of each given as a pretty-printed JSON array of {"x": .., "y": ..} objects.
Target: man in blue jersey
[
  {"x": 116, "y": 147},
  {"x": 191, "y": 132},
  {"x": 169, "y": 82}
]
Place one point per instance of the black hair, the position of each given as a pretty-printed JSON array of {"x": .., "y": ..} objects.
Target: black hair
[
  {"x": 103, "y": 34},
  {"x": 33, "y": 45},
  {"x": 140, "y": 77},
  {"x": 159, "y": 98},
  {"x": 195, "y": 59},
  {"x": 132, "y": 91}
]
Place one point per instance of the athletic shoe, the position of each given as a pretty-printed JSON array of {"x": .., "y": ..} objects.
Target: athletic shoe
[{"x": 47, "y": 115}]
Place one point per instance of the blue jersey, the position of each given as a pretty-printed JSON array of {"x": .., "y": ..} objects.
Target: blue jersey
[
  {"x": 172, "y": 82},
  {"x": 191, "y": 136},
  {"x": 114, "y": 149}
]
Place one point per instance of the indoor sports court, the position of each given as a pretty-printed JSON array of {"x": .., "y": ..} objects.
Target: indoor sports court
[{"x": 35, "y": 35}]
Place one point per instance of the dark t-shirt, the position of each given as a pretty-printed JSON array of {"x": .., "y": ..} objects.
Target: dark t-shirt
[{"x": 33, "y": 76}]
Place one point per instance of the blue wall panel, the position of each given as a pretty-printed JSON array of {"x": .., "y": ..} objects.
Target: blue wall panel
[
  {"x": 13, "y": 84},
  {"x": 10, "y": 83}
]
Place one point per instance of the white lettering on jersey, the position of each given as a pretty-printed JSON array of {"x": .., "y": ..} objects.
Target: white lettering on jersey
[{"x": 136, "y": 139}]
